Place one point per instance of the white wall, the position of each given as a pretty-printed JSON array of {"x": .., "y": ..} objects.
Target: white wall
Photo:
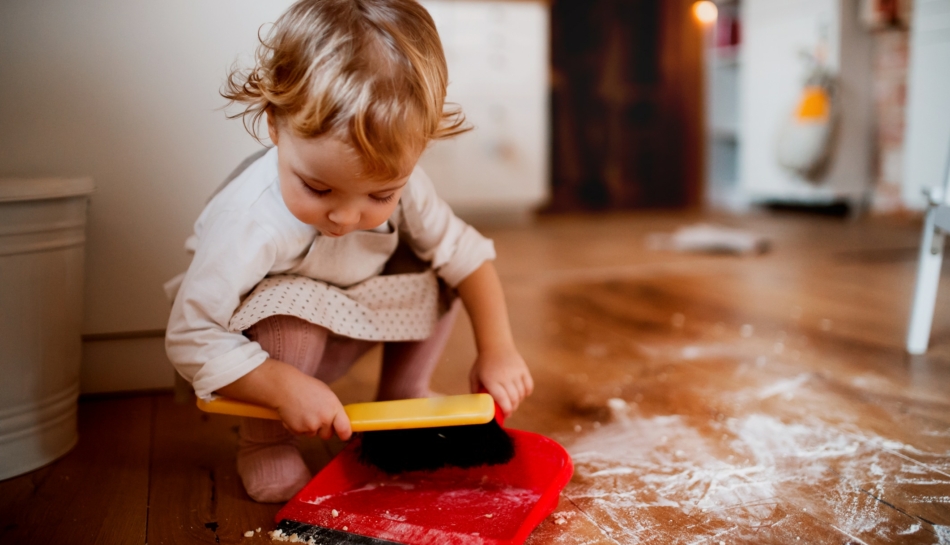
[
  {"x": 927, "y": 148},
  {"x": 126, "y": 92}
]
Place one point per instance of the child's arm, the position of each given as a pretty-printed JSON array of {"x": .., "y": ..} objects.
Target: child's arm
[
  {"x": 499, "y": 367},
  {"x": 305, "y": 405}
]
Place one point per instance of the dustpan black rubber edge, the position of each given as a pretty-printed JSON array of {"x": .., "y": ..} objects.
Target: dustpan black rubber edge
[{"x": 307, "y": 531}]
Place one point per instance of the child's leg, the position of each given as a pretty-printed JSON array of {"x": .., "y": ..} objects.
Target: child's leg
[
  {"x": 268, "y": 459},
  {"x": 340, "y": 355},
  {"x": 408, "y": 366}
]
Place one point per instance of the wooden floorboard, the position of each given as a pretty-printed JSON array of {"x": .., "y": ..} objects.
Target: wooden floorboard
[
  {"x": 192, "y": 478},
  {"x": 704, "y": 399},
  {"x": 96, "y": 494},
  {"x": 772, "y": 401},
  {"x": 196, "y": 495}
]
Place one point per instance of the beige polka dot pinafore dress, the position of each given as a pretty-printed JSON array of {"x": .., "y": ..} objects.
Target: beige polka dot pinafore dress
[{"x": 402, "y": 303}]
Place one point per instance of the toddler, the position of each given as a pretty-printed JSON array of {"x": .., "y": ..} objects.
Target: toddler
[{"x": 293, "y": 276}]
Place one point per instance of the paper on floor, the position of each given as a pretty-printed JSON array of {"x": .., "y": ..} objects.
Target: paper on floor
[{"x": 709, "y": 239}]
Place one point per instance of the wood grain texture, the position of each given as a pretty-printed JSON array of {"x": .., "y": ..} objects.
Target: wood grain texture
[
  {"x": 196, "y": 495},
  {"x": 766, "y": 400},
  {"x": 705, "y": 399},
  {"x": 97, "y": 493}
]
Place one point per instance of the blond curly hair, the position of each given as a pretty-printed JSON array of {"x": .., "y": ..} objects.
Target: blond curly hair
[{"x": 370, "y": 72}]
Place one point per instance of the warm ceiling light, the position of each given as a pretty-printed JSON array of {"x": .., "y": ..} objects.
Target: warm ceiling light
[{"x": 705, "y": 12}]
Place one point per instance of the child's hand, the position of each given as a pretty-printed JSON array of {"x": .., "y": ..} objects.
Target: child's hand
[
  {"x": 499, "y": 367},
  {"x": 306, "y": 405},
  {"x": 309, "y": 407},
  {"x": 505, "y": 375}
]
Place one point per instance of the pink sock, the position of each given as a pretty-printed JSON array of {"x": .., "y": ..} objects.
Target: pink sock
[
  {"x": 268, "y": 459},
  {"x": 408, "y": 366}
]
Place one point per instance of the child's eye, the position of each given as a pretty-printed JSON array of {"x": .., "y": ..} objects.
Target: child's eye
[
  {"x": 317, "y": 192},
  {"x": 383, "y": 200}
]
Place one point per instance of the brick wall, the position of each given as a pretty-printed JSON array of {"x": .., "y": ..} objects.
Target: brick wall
[{"x": 890, "y": 94}]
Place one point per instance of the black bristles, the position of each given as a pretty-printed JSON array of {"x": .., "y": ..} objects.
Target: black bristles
[
  {"x": 306, "y": 532},
  {"x": 426, "y": 449}
]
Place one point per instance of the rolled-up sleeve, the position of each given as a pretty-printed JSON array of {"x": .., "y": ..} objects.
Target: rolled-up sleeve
[
  {"x": 454, "y": 248},
  {"x": 233, "y": 254}
]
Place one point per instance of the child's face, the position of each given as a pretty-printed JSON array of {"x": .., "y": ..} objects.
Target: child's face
[{"x": 321, "y": 184}]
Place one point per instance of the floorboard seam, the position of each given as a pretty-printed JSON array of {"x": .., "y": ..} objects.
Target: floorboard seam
[
  {"x": 153, "y": 417},
  {"x": 862, "y": 542},
  {"x": 884, "y": 502},
  {"x": 213, "y": 507},
  {"x": 592, "y": 521},
  {"x": 918, "y": 462}
]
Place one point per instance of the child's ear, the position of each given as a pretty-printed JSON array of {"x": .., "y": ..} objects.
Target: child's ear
[{"x": 272, "y": 126}]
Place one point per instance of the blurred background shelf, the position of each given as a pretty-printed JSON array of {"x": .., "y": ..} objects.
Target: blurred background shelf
[{"x": 723, "y": 54}]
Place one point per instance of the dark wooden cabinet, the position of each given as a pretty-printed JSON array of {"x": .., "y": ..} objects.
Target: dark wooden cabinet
[{"x": 627, "y": 104}]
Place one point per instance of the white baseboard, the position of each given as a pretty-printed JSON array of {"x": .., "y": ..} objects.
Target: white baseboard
[{"x": 119, "y": 365}]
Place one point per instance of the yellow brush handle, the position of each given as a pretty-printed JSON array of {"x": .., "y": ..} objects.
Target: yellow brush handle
[{"x": 431, "y": 412}]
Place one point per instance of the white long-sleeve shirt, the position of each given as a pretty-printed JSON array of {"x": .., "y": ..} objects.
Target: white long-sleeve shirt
[{"x": 247, "y": 233}]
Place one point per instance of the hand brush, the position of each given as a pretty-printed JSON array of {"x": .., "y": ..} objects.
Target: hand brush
[
  {"x": 429, "y": 448},
  {"x": 413, "y": 434}
]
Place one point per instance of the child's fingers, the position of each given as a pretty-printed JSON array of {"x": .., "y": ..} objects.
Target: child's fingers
[
  {"x": 501, "y": 397},
  {"x": 309, "y": 426},
  {"x": 514, "y": 397},
  {"x": 342, "y": 426},
  {"x": 528, "y": 383},
  {"x": 294, "y": 429},
  {"x": 513, "y": 394},
  {"x": 522, "y": 389}
]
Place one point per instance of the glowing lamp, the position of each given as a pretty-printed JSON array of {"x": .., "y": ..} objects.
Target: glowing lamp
[{"x": 705, "y": 12}]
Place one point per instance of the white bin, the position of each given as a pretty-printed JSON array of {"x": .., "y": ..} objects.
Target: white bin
[{"x": 42, "y": 234}]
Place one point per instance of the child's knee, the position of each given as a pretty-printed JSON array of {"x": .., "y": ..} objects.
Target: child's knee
[
  {"x": 340, "y": 355},
  {"x": 290, "y": 339}
]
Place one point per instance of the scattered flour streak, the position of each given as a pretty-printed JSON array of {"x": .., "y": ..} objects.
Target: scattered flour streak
[
  {"x": 738, "y": 475},
  {"x": 849, "y": 535},
  {"x": 784, "y": 387},
  {"x": 593, "y": 521}
]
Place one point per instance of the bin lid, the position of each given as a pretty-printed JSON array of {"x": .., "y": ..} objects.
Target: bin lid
[{"x": 29, "y": 189}]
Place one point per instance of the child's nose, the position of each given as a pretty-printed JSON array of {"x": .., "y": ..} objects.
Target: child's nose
[{"x": 344, "y": 215}]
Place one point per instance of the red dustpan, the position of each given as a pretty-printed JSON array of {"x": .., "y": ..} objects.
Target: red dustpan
[{"x": 349, "y": 502}]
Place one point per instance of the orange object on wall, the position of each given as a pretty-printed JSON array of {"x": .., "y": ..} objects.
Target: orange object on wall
[{"x": 815, "y": 104}]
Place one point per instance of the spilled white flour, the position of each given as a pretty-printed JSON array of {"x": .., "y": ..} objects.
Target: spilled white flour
[
  {"x": 785, "y": 388},
  {"x": 739, "y": 475}
]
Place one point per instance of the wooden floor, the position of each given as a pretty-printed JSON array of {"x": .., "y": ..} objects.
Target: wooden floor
[{"x": 704, "y": 399}]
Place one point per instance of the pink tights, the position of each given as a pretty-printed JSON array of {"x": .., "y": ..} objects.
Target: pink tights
[{"x": 268, "y": 459}]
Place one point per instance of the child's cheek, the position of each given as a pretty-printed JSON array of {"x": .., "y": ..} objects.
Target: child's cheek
[
  {"x": 296, "y": 203},
  {"x": 382, "y": 213}
]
